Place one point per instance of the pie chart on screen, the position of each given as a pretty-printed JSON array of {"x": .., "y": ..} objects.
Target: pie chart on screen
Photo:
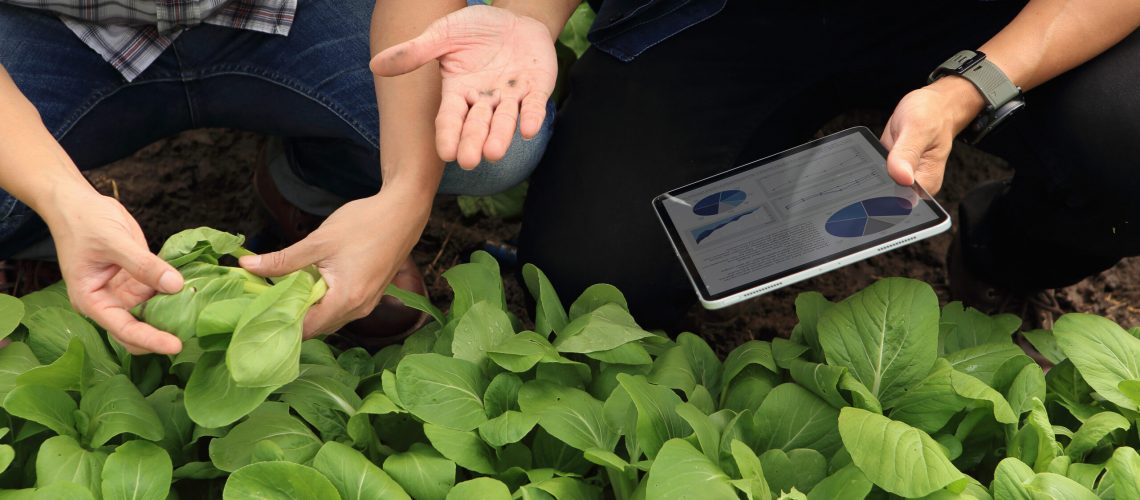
[
  {"x": 721, "y": 202},
  {"x": 867, "y": 217}
]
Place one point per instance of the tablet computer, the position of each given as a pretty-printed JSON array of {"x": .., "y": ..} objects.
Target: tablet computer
[{"x": 792, "y": 216}]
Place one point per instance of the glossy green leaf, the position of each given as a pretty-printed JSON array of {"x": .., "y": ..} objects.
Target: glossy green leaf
[
  {"x": 465, "y": 448},
  {"x": 116, "y": 407},
  {"x": 1093, "y": 431},
  {"x": 7, "y": 455},
  {"x": 11, "y": 312},
  {"x": 577, "y": 27},
  {"x": 220, "y": 317},
  {"x": 483, "y": 327},
  {"x": 509, "y": 427},
  {"x": 48, "y": 406},
  {"x": 415, "y": 301},
  {"x": 571, "y": 415},
  {"x": 821, "y": 379},
  {"x": 473, "y": 283},
  {"x": 984, "y": 361},
  {"x": 51, "y": 329},
  {"x": 1029, "y": 384},
  {"x": 691, "y": 363},
  {"x": 68, "y": 372},
  {"x": 708, "y": 437},
  {"x": 1035, "y": 443},
  {"x": 974, "y": 390},
  {"x": 886, "y": 335},
  {"x": 62, "y": 460},
  {"x": 596, "y": 296},
  {"x": 798, "y": 469},
  {"x": 213, "y": 399},
  {"x": 550, "y": 316},
  {"x": 270, "y": 422},
  {"x": 137, "y": 470},
  {"x": 278, "y": 481},
  {"x": 785, "y": 351},
  {"x": 809, "y": 307},
  {"x": 179, "y": 313},
  {"x": 1045, "y": 343},
  {"x": 354, "y": 476},
  {"x": 324, "y": 402},
  {"x": 186, "y": 242},
  {"x": 607, "y": 327},
  {"x": 1010, "y": 478},
  {"x": 1049, "y": 485},
  {"x": 1124, "y": 470},
  {"x": 519, "y": 353},
  {"x": 753, "y": 352},
  {"x": 791, "y": 417},
  {"x": 15, "y": 359},
  {"x": 1104, "y": 353},
  {"x": 266, "y": 346},
  {"x": 483, "y": 488},
  {"x": 964, "y": 327},
  {"x": 657, "y": 419},
  {"x": 896, "y": 457},
  {"x": 848, "y": 483},
  {"x": 167, "y": 402},
  {"x": 54, "y": 295},
  {"x": 748, "y": 390},
  {"x": 422, "y": 472},
  {"x": 502, "y": 394},
  {"x": 680, "y": 471},
  {"x": 751, "y": 470},
  {"x": 441, "y": 390}
]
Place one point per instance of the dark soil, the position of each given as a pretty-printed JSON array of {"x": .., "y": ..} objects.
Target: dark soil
[{"x": 202, "y": 178}]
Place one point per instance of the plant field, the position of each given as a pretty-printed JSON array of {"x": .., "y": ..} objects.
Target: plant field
[{"x": 884, "y": 394}]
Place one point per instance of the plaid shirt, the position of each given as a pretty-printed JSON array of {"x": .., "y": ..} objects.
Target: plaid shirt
[{"x": 131, "y": 34}]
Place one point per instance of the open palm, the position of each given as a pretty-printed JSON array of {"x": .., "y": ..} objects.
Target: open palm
[{"x": 498, "y": 69}]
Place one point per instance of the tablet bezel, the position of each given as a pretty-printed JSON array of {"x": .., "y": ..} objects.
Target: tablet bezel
[{"x": 804, "y": 270}]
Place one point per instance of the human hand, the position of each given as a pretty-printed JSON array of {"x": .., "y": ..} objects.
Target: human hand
[
  {"x": 921, "y": 131},
  {"x": 109, "y": 269},
  {"x": 498, "y": 68},
  {"x": 356, "y": 258}
]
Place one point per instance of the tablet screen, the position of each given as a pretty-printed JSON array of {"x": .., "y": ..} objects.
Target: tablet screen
[{"x": 792, "y": 211}]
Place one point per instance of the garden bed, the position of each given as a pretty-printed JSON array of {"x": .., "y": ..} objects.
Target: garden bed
[{"x": 202, "y": 178}]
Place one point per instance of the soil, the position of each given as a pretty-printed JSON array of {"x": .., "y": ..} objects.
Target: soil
[{"x": 202, "y": 177}]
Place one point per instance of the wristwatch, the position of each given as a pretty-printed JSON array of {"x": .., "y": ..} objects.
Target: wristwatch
[{"x": 1003, "y": 98}]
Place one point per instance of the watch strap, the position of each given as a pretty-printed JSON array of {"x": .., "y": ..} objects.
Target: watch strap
[{"x": 995, "y": 87}]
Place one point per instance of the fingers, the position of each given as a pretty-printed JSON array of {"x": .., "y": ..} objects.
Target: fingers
[
  {"x": 410, "y": 55},
  {"x": 147, "y": 268},
  {"x": 476, "y": 128},
  {"x": 905, "y": 153},
  {"x": 449, "y": 124},
  {"x": 533, "y": 114},
  {"x": 279, "y": 263},
  {"x": 502, "y": 130},
  {"x": 136, "y": 336}
]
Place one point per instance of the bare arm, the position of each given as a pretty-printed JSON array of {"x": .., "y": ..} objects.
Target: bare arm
[
  {"x": 1047, "y": 38},
  {"x": 102, "y": 251},
  {"x": 26, "y": 146}
]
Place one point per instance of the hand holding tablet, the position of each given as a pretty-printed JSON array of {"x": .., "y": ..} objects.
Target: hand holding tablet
[{"x": 792, "y": 216}]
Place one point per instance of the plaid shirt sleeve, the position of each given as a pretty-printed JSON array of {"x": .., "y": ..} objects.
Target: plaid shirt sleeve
[{"x": 131, "y": 34}]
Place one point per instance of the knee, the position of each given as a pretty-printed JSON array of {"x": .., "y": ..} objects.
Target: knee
[{"x": 489, "y": 178}]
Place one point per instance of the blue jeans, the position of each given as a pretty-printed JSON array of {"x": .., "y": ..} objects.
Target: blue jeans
[{"x": 312, "y": 87}]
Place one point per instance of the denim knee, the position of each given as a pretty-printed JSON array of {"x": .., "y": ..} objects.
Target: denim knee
[{"x": 489, "y": 178}]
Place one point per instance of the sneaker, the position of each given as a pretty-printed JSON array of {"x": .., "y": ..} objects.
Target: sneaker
[{"x": 391, "y": 321}]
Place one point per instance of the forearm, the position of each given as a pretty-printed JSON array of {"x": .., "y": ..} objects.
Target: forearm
[
  {"x": 408, "y": 103},
  {"x": 552, "y": 13},
  {"x": 1047, "y": 38},
  {"x": 33, "y": 166}
]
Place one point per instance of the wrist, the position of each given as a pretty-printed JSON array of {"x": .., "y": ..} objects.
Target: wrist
[
  {"x": 539, "y": 11},
  {"x": 54, "y": 201},
  {"x": 964, "y": 100}
]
